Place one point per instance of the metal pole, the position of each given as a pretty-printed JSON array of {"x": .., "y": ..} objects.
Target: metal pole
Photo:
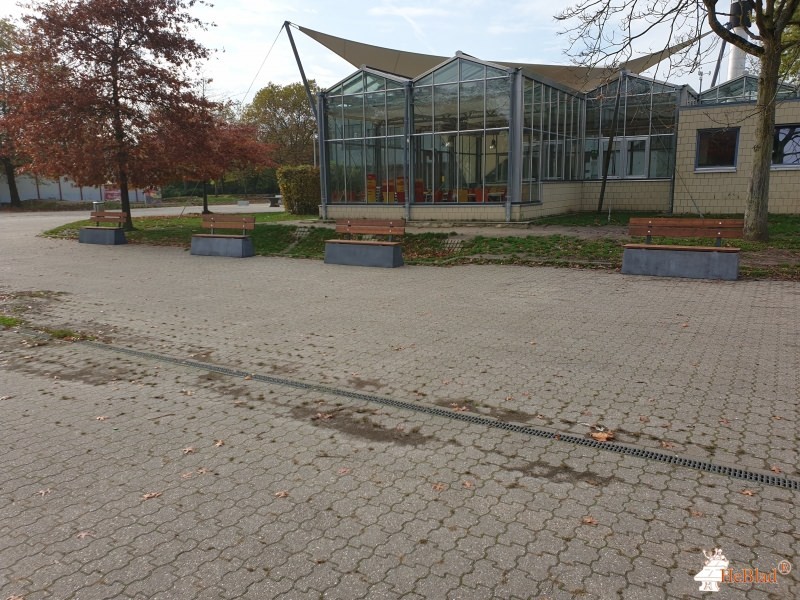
[
  {"x": 302, "y": 72},
  {"x": 607, "y": 155}
]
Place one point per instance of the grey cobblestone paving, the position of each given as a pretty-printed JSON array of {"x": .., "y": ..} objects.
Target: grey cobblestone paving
[{"x": 194, "y": 484}]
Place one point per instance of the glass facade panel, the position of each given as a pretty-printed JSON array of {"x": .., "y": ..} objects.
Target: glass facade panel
[
  {"x": 496, "y": 164},
  {"x": 661, "y": 155},
  {"x": 471, "y": 70},
  {"x": 395, "y": 112},
  {"x": 374, "y": 83},
  {"x": 663, "y": 111},
  {"x": 498, "y": 103},
  {"x": 591, "y": 159},
  {"x": 471, "y": 105},
  {"x": 424, "y": 182},
  {"x": 492, "y": 72},
  {"x": 636, "y": 157},
  {"x": 335, "y": 120},
  {"x": 445, "y": 107},
  {"x": 637, "y": 115},
  {"x": 337, "y": 190},
  {"x": 375, "y": 167},
  {"x": 447, "y": 73},
  {"x": 354, "y": 164},
  {"x": 354, "y": 85},
  {"x": 423, "y": 109},
  {"x": 375, "y": 114},
  {"x": 395, "y": 170},
  {"x": 353, "y": 113}
]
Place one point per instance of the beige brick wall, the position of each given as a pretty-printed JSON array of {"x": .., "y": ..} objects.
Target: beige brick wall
[
  {"x": 726, "y": 192},
  {"x": 364, "y": 211},
  {"x": 628, "y": 194},
  {"x": 493, "y": 213}
]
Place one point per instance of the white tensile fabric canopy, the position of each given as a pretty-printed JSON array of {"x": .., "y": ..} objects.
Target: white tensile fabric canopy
[{"x": 413, "y": 64}]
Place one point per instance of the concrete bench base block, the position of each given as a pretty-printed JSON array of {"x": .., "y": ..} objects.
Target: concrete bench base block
[
  {"x": 370, "y": 254},
  {"x": 108, "y": 236},
  {"x": 236, "y": 246},
  {"x": 663, "y": 262}
]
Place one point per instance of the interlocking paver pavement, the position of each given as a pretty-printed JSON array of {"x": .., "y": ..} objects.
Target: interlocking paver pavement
[{"x": 194, "y": 483}]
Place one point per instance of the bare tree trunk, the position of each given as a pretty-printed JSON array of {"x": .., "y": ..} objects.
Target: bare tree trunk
[
  {"x": 205, "y": 198},
  {"x": 756, "y": 210},
  {"x": 12, "y": 182}
]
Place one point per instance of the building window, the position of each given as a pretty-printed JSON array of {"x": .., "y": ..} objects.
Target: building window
[
  {"x": 716, "y": 148},
  {"x": 786, "y": 146}
]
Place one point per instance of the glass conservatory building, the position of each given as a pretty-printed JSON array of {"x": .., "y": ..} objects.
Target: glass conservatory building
[
  {"x": 476, "y": 140},
  {"x": 471, "y": 140}
]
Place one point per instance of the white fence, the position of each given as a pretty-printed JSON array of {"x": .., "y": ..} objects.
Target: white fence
[{"x": 38, "y": 188}]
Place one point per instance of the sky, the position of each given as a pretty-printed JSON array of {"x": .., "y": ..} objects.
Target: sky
[{"x": 251, "y": 50}]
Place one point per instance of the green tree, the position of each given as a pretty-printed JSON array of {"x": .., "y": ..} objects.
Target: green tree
[
  {"x": 607, "y": 29},
  {"x": 105, "y": 75},
  {"x": 286, "y": 121}
]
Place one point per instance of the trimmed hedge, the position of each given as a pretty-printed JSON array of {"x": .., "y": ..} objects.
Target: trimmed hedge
[{"x": 300, "y": 189}]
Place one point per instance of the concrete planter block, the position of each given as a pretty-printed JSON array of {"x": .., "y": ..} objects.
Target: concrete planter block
[
  {"x": 664, "y": 262},
  {"x": 235, "y": 246},
  {"x": 364, "y": 254},
  {"x": 108, "y": 236}
]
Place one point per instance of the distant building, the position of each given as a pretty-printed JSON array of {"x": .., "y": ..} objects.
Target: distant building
[{"x": 462, "y": 139}]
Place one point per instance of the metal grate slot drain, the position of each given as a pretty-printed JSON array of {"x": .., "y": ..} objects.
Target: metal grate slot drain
[{"x": 670, "y": 459}]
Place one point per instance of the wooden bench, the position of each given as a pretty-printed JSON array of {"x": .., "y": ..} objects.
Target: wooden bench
[
  {"x": 99, "y": 233},
  {"x": 698, "y": 262},
  {"x": 237, "y": 245},
  {"x": 367, "y": 253}
]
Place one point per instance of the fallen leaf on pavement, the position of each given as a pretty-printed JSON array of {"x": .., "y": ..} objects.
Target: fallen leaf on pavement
[
  {"x": 187, "y": 475},
  {"x": 248, "y": 377},
  {"x": 668, "y": 445},
  {"x": 458, "y": 408},
  {"x": 439, "y": 487},
  {"x": 644, "y": 419},
  {"x": 589, "y": 520},
  {"x": 187, "y": 392},
  {"x": 282, "y": 494},
  {"x": 101, "y": 418},
  {"x": 468, "y": 485},
  {"x": 320, "y": 416},
  {"x": 344, "y": 471},
  {"x": 189, "y": 450},
  {"x": 84, "y": 534},
  {"x": 696, "y": 513},
  {"x": 151, "y": 495},
  {"x": 724, "y": 422},
  {"x": 44, "y": 492},
  {"x": 775, "y": 469},
  {"x": 602, "y": 436},
  {"x": 219, "y": 443},
  {"x": 747, "y": 493}
]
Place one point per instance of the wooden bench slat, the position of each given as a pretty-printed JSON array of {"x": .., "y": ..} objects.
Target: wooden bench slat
[
  {"x": 102, "y": 216},
  {"x": 371, "y": 230},
  {"x": 241, "y": 222},
  {"x": 685, "y": 232},
  {"x": 689, "y": 222}
]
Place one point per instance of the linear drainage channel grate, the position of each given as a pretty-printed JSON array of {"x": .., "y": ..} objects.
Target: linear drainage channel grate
[{"x": 678, "y": 461}]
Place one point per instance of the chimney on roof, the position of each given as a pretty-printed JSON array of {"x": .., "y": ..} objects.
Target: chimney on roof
[{"x": 740, "y": 21}]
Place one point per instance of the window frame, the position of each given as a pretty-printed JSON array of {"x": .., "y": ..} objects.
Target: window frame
[
  {"x": 782, "y": 166},
  {"x": 716, "y": 168}
]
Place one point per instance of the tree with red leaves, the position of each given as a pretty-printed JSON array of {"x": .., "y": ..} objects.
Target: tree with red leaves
[{"x": 105, "y": 77}]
